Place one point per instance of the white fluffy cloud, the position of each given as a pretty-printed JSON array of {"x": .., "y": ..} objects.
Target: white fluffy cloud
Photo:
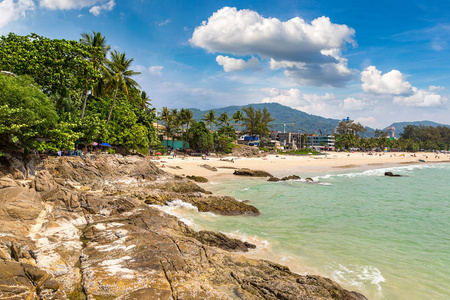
[
  {"x": 368, "y": 121},
  {"x": 235, "y": 65},
  {"x": 434, "y": 88},
  {"x": 155, "y": 71},
  {"x": 108, "y": 6},
  {"x": 421, "y": 98},
  {"x": 11, "y": 10},
  {"x": 68, "y": 4},
  {"x": 391, "y": 83},
  {"x": 352, "y": 104},
  {"x": 310, "y": 103},
  {"x": 310, "y": 53}
]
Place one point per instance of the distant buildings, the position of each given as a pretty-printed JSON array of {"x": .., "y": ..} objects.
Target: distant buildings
[
  {"x": 391, "y": 132},
  {"x": 292, "y": 140}
]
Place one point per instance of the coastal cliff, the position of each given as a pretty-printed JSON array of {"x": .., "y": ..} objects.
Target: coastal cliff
[{"x": 90, "y": 228}]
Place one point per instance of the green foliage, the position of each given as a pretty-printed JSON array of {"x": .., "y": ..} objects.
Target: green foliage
[
  {"x": 230, "y": 147},
  {"x": 257, "y": 121},
  {"x": 199, "y": 137},
  {"x": 27, "y": 116},
  {"x": 59, "y": 66}
]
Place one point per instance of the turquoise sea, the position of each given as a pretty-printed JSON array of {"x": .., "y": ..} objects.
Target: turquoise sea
[{"x": 386, "y": 237}]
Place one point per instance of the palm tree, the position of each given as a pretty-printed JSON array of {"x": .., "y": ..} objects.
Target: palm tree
[
  {"x": 144, "y": 100},
  {"x": 98, "y": 41},
  {"x": 120, "y": 76},
  {"x": 238, "y": 117},
  {"x": 186, "y": 117},
  {"x": 210, "y": 118},
  {"x": 223, "y": 119}
]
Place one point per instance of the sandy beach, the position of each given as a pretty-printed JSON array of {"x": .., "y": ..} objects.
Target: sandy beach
[{"x": 281, "y": 165}]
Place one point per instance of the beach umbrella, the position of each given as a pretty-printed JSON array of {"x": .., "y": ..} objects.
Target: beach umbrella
[
  {"x": 105, "y": 144},
  {"x": 94, "y": 143},
  {"x": 158, "y": 153}
]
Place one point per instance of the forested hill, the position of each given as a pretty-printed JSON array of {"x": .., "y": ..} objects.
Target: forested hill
[
  {"x": 285, "y": 115},
  {"x": 400, "y": 125}
]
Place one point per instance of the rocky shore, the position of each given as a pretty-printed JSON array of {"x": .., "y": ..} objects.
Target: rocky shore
[{"x": 90, "y": 228}]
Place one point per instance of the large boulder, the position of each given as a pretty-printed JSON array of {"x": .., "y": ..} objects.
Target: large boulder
[
  {"x": 252, "y": 173},
  {"x": 19, "y": 203}
]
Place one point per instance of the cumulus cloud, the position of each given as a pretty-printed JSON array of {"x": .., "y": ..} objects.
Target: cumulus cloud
[
  {"x": 108, "y": 6},
  {"x": 235, "y": 65},
  {"x": 68, "y": 4},
  {"x": 305, "y": 50},
  {"x": 368, "y": 121},
  {"x": 328, "y": 74},
  {"x": 352, "y": 104},
  {"x": 310, "y": 103},
  {"x": 11, "y": 10},
  {"x": 421, "y": 98},
  {"x": 155, "y": 71},
  {"x": 391, "y": 83},
  {"x": 434, "y": 88}
]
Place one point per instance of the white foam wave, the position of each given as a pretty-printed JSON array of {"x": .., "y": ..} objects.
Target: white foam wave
[
  {"x": 358, "y": 276},
  {"x": 403, "y": 170}
]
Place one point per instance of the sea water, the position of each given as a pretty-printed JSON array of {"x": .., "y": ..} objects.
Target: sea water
[{"x": 385, "y": 237}]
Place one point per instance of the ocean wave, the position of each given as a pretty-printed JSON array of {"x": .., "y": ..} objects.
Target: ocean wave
[
  {"x": 403, "y": 170},
  {"x": 358, "y": 276}
]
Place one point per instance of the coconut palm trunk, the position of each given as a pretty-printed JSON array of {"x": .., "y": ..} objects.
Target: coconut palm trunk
[{"x": 112, "y": 106}]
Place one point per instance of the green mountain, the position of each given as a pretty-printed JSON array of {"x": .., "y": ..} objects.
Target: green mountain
[
  {"x": 400, "y": 125},
  {"x": 294, "y": 119}
]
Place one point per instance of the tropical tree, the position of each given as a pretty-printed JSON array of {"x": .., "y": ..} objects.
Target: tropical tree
[
  {"x": 97, "y": 42},
  {"x": 119, "y": 76},
  {"x": 186, "y": 117},
  {"x": 238, "y": 117},
  {"x": 210, "y": 118},
  {"x": 257, "y": 121},
  {"x": 60, "y": 67},
  {"x": 144, "y": 100},
  {"x": 223, "y": 119}
]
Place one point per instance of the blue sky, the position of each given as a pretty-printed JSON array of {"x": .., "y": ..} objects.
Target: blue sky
[{"x": 375, "y": 61}]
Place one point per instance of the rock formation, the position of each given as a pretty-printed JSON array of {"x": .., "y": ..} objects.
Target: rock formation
[
  {"x": 252, "y": 173},
  {"x": 82, "y": 229}
]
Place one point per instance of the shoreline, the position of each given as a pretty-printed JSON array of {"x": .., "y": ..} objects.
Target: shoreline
[{"x": 284, "y": 165}]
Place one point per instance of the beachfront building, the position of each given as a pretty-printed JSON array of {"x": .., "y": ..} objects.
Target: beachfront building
[
  {"x": 288, "y": 140},
  {"x": 322, "y": 142}
]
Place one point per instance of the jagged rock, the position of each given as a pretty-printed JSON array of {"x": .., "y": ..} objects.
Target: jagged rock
[
  {"x": 220, "y": 240},
  {"x": 7, "y": 181},
  {"x": 309, "y": 179},
  {"x": 44, "y": 182},
  {"x": 245, "y": 151},
  {"x": 208, "y": 167},
  {"x": 221, "y": 205},
  {"x": 197, "y": 178},
  {"x": 252, "y": 173},
  {"x": 24, "y": 281},
  {"x": 273, "y": 179},
  {"x": 19, "y": 203},
  {"x": 290, "y": 177}
]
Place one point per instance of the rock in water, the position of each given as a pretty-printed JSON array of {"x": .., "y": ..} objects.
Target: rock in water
[
  {"x": 252, "y": 173},
  {"x": 391, "y": 175}
]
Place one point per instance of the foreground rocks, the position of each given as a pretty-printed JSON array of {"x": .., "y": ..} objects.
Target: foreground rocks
[{"x": 83, "y": 229}]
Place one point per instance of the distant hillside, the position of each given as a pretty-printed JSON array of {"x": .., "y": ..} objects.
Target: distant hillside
[
  {"x": 285, "y": 115},
  {"x": 400, "y": 125}
]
